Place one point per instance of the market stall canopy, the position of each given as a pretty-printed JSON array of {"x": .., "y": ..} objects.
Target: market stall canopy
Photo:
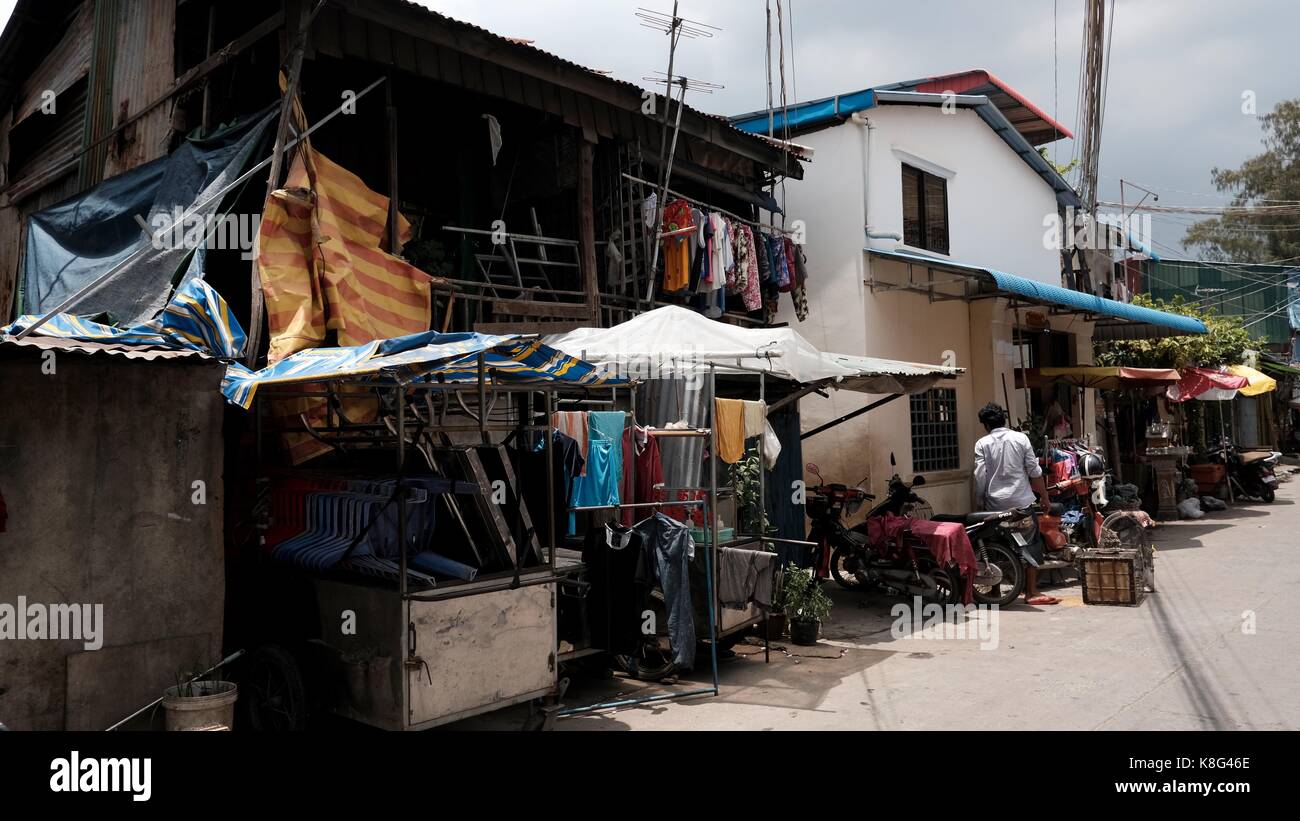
[
  {"x": 432, "y": 356},
  {"x": 1207, "y": 385},
  {"x": 1112, "y": 319},
  {"x": 674, "y": 341},
  {"x": 1108, "y": 379},
  {"x": 1256, "y": 382}
]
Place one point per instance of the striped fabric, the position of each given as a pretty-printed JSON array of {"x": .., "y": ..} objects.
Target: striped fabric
[
  {"x": 197, "y": 318},
  {"x": 323, "y": 270},
  {"x": 322, "y": 266}
]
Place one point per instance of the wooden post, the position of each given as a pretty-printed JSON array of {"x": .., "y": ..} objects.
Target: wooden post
[
  {"x": 587, "y": 228},
  {"x": 257, "y": 306},
  {"x": 394, "y": 238}
]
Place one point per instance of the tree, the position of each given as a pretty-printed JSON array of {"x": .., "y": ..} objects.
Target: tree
[
  {"x": 1268, "y": 179},
  {"x": 1224, "y": 342}
]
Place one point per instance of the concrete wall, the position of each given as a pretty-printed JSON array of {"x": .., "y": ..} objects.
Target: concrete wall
[
  {"x": 996, "y": 206},
  {"x": 97, "y": 465}
]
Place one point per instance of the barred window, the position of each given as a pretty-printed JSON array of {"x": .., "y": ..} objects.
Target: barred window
[{"x": 934, "y": 430}]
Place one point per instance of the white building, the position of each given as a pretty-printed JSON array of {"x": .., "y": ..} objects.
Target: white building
[{"x": 928, "y": 211}]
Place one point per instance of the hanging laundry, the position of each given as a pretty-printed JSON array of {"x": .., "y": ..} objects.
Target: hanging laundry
[
  {"x": 599, "y": 485},
  {"x": 763, "y": 259},
  {"x": 573, "y": 424},
  {"x": 677, "y": 254},
  {"x": 791, "y": 280},
  {"x": 800, "y": 298},
  {"x": 800, "y": 266},
  {"x": 755, "y": 417},
  {"x": 669, "y": 549},
  {"x": 751, "y": 295},
  {"x": 729, "y": 421},
  {"x": 746, "y": 576},
  {"x": 650, "y": 212},
  {"x": 698, "y": 250},
  {"x": 771, "y": 446},
  {"x": 494, "y": 136},
  {"x": 643, "y": 463}
]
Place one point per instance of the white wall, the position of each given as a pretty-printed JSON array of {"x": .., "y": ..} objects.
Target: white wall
[{"x": 996, "y": 208}]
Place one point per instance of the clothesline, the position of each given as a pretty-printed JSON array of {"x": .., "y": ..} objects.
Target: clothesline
[{"x": 702, "y": 204}]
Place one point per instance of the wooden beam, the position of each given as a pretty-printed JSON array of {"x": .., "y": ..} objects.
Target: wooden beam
[
  {"x": 558, "y": 327},
  {"x": 257, "y": 304},
  {"x": 529, "y": 307},
  {"x": 587, "y": 229}
]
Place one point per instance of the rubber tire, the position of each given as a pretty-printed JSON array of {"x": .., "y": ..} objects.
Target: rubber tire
[
  {"x": 1016, "y": 589},
  {"x": 849, "y": 582},
  {"x": 1268, "y": 495},
  {"x": 275, "y": 662}
]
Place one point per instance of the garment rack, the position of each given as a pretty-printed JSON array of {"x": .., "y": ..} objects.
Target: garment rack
[{"x": 702, "y": 204}]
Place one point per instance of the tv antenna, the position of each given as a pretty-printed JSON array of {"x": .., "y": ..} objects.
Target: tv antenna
[{"x": 676, "y": 27}]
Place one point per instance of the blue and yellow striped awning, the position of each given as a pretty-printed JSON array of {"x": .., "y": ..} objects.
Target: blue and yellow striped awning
[
  {"x": 197, "y": 319},
  {"x": 428, "y": 355}
]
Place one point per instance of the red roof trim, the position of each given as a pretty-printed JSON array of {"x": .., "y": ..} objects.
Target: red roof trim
[{"x": 966, "y": 80}]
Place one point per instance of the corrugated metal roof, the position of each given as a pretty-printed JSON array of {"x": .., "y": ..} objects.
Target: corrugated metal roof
[
  {"x": 146, "y": 352},
  {"x": 524, "y": 44}
]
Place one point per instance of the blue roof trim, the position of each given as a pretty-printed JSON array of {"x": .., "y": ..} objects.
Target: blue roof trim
[
  {"x": 811, "y": 113},
  {"x": 1056, "y": 295}
]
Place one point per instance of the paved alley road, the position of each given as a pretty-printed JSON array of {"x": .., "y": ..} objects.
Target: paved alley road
[{"x": 1181, "y": 661}]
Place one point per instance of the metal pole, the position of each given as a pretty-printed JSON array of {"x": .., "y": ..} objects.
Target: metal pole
[
  {"x": 550, "y": 478},
  {"x": 712, "y": 525},
  {"x": 401, "y": 499},
  {"x": 762, "y": 499}
]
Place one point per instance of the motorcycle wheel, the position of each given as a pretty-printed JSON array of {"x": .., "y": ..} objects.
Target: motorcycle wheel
[
  {"x": 842, "y": 563},
  {"x": 653, "y": 662},
  {"x": 1013, "y": 576},
  {"x": 1267, "y": 494}
]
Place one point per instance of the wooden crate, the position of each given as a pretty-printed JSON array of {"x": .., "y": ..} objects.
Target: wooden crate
[{"x": 1113, "y": 577}]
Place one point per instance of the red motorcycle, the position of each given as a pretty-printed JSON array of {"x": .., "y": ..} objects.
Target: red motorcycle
[{"x": 896, "y": 565}]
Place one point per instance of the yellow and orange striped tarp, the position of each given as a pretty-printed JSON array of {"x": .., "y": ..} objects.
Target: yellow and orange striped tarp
[
  {"x": 323, "y": 269},
  {"x": 322, "y": 265}
]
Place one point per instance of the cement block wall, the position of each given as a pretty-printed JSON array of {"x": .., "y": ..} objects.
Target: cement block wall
[{"x": 97, "y": 468}]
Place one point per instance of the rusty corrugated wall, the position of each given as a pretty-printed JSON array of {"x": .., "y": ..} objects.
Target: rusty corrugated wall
[{"x": 144, "y": 70}]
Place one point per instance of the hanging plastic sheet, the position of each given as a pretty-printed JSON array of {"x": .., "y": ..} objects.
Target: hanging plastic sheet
[{"x": 72, "y": 244}]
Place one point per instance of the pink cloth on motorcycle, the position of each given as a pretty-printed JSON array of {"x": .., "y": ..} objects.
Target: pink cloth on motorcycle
[{"x": 947, "y": 541}]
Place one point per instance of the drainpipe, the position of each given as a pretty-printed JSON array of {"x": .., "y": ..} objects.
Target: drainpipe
[{"x": 860, "y": 119}]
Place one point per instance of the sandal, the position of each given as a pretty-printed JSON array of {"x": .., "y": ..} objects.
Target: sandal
[{"x": 1043, "y": 599}]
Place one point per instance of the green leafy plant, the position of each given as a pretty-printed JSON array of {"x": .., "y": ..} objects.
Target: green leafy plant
[
  {"x": 1224, "y": 342},
  {"x": 802, "y": 598},
  {"x": 745, "y": 476}
]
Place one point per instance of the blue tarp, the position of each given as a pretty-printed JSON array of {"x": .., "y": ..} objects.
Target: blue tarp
[{"x": 71, "y": 244}]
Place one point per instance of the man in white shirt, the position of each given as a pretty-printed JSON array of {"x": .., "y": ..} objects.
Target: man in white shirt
[{"x": 1007, "y": 476}]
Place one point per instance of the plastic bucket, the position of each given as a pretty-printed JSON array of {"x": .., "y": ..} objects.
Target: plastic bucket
[{"x": 211, "y": 707}]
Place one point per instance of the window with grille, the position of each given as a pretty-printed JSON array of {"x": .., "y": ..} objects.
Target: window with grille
[
  {"x": 925, "y": 210},
  {"x": 934, "y": 430}
]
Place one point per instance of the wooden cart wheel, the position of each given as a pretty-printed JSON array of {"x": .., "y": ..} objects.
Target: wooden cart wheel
[{"x": 275, "y": 697}]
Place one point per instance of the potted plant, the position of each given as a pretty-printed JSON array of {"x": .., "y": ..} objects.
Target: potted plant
[
  {"x": 196, "y": 703},
  {"x": 805, "y": 604}
]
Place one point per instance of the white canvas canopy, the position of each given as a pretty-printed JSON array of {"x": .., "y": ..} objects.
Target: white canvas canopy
[{"x": 674, "y": 341}]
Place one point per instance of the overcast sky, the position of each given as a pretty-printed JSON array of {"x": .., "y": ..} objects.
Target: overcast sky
[
  {"x": 1174, "y": 104},
  {"x": 1178, "y": 67}
]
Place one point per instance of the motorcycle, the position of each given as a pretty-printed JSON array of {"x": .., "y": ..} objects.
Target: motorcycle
[
  {"x": 1251, "y": 473},
  {"x": 996, "y": 537},
  {"x": 898, "y": 566}
]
